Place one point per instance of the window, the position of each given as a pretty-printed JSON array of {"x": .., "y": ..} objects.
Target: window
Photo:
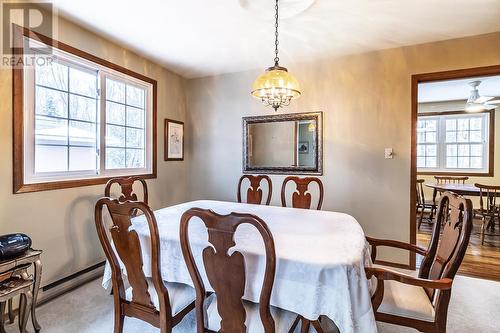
[
  {"x": 84, "y": 120},
  {"x": 455, "y": 142}
]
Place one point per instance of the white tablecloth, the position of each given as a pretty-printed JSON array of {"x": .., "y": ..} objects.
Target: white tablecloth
[{"x": 320, "y": 259}]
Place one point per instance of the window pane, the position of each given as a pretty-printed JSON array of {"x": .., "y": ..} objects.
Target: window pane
[
  {"x": 451, "y": 136},
  {"x": 135, "y": 138},
  {"x": 135, "y": 96},
  {"x": 421, "y": 137},
  {"x": 463, "y": 150},
  {"x": 115, "y": 136},
  {"x": 115, "y": 91},
  {"x": 420, "y": 150},
  {"x": 430, "y": 125},
  {"x": 451, "y": 150},
  {"x": 51, "y": 102},
  {"x": 476, "y": 162},
  {"x": 431, "y": 150},
  {"x": 135, "y": 117},
  {"x": 430, "y": 162},
  {"x": 82, "y": 82},
  {"x": 52, "y": 75},
  {"x": 81, "y": 158},
  {"x": 51, "y": 158},
  {"x": 82, "y": 134},
  {"x": 475, "y": 136},
  {"x": 463, "y": 136},
  {"x": 82, "y": 108},
  {"x": 430, "y": 137},
  {"x": 115, "y": 158},
  {"x": 463, "y": 162},
  {"x": 51, "y": 131},
  {"x": 451, "y": 162},
  {"x": 115, "y": 113},
  {"x": 476, "y": 124},
  {"x": 462, "y": 124},
  {"x": 476, "y": 150},
  {"x": 451, "y": 124},
  {"x": 135, "y": 158},
  {"x": 421, "y": 162}
]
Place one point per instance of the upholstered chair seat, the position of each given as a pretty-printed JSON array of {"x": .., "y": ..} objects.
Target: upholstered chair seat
[{"x": 179, "y": 294}]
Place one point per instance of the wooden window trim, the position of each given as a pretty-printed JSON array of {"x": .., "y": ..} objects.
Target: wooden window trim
[
  {"x": 491, "y": 147},
  {"x": 19, "y": 186}
]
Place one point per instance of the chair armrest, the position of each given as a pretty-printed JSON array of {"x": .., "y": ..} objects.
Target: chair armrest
[
  {"x": 384, "y": 274},
  {"x": 374, "y": 242}
]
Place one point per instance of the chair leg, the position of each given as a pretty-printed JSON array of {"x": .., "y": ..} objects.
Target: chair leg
[
  {"x": 294, "y": 324},
  {"x": 304, "y": 325},
  {"x": 12, "y": 315},
  {"x": 483, "y": 230},
  {"x": 119, "y": 317},
  {"x": 317, "y": 326}
]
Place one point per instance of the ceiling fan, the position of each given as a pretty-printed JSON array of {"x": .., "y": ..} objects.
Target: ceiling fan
[{"x": 477, "y": 103}]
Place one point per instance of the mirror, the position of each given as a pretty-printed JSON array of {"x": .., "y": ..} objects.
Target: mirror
[{"x": 283, "y": 144}]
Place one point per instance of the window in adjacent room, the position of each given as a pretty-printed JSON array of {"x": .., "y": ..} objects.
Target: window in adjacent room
[{"x": 458, "y": 142}]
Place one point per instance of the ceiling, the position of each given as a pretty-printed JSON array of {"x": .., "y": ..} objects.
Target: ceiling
[
  {"x": 197, "y": 38},
  {"x": 457, "y": 89}
]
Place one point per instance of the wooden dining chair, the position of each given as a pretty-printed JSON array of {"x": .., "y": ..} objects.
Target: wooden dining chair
[
  {"x": 127, "y": 188},
  {"x": 422, "y": 204},
  {"x": 445, "y": 180},
  {"x": 226, "y": 273},
  {"x": 254, "y": 192},
  {"x": 161, "y": 304},
  {"x": 488, "y": 210},
  {"x": 422, "y": 302},
  {"x": 301, "y": 197}
]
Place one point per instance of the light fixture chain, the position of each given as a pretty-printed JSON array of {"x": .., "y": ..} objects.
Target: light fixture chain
[{"x": 276, "y": 58}]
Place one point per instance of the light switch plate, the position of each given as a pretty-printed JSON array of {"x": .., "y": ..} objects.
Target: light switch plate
[{"x": 388, "y": 152}]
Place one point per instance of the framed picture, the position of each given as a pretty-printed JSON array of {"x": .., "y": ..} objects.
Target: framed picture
[
  {"x": 303, "y": 147},
  {"x": 174, "y": 140}
]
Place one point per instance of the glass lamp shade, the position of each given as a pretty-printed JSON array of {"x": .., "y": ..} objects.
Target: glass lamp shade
[{"x": 276, "y": 87}]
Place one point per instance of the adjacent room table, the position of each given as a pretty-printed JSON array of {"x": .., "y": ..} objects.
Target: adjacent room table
[{"x": 321, "y": 257}]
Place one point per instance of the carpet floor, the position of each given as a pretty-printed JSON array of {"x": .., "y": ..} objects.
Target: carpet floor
[{"x": 474, "y": 308}]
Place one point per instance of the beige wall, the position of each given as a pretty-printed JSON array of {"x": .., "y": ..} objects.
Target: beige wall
[
  {"x": 366, "y": 104},
  {"x": 61, "y": 222}
]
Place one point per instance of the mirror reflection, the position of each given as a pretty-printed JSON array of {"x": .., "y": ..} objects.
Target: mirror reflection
[{"x": 282, "y": 143}]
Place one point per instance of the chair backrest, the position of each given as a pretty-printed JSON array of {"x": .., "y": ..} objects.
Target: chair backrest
[
  {"x": 127, "y": 249},
  {"x": 420, "y": 192},
  {"x": 448, "y": 245},
  {"x": 488, "y": 197},
  {"x": 301, "y": 197},
  {"x": 451, "y": 179},
  {"x": 226, "y": 273},
  {"x": 127, "y": 190},
  {"x": 254, "y": 192}
]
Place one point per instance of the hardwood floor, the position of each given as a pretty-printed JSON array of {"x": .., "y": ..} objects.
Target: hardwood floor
[{"x": 482, "y": 261}]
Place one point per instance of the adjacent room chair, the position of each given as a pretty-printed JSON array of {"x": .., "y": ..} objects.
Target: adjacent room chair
[
  {"x": 301, "y": 197},
  {"x": 422, "y": 302},
  {"x": 254, "y": 192},
  {"x": 445, "y": 180},
  {"x": 228, "y": 312},
  {"x": 488, "y": 210},
  {"x": 126, "y": 186},
  {"x": 161, "y": 304},
  {"x": 422, "y": 204}
]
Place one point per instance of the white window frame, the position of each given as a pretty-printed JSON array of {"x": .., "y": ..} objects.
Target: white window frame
[
  {"x": 487, "y": 118},
  {"x": 103, "y": 72}
]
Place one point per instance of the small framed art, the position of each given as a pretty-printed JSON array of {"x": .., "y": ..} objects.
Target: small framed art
[{"x": 174, "y": 140}]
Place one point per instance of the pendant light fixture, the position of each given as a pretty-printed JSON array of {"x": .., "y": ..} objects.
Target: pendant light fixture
[{"x": 276, "y": 87}]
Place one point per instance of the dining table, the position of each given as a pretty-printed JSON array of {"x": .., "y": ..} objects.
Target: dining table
[
  {"x": 320, "y": 259},
  {"x": 460, "y": 189}
]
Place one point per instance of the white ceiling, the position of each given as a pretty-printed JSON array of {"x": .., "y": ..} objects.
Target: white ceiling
[
  {"x": 199, "y": 38},
  {"x": 457, "y": 89}
]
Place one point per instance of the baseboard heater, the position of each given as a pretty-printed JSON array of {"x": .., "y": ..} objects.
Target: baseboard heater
[{"x": 68, "y": 283}]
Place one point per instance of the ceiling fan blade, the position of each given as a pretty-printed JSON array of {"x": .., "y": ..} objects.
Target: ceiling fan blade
[
  {"x": 483, "y": 99},
  {"x": 497, "y": 101},
  {"x": 490, "y": 107}
]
